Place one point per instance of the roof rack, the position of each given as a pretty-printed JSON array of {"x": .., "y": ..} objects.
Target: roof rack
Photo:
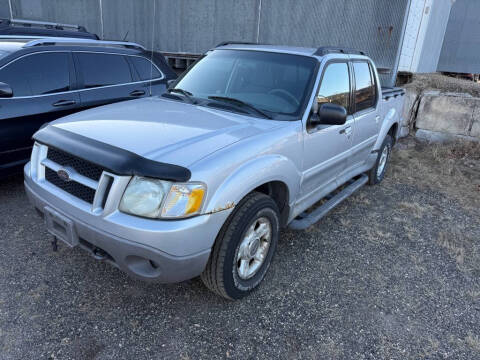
[
  {"x": 45, "y": 24},
  {"x": 324, "y": 50},
  {"x": 46, "y": 41},
  {"x": 238, "y": 43}
]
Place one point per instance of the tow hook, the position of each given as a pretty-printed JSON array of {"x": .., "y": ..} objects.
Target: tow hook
[{"x": 99, "y": 254}]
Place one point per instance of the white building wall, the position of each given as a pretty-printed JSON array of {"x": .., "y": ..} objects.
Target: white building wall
[
  {"x": 416, "y": 17},
  {"x": 426, "y": 24}
]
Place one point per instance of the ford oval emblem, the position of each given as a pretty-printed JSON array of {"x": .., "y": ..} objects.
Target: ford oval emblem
[{"x": 63, "y": 174}]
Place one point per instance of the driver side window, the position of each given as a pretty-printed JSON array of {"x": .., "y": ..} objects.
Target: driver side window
[{"x": 335, "y": 86}]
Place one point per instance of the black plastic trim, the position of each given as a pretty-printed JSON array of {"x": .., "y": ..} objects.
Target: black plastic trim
[{"x": 111, "y": 158}]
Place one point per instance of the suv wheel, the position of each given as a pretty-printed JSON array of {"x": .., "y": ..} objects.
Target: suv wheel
[
  {"x": 377, "y": 173},
  {"x": 244, "y": 248}
]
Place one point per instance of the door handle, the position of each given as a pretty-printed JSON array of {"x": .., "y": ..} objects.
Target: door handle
[
  {"x": 137, "y": 93},
  {"x": 346, "y": 131},
  {"x": 64, "y": 103}
]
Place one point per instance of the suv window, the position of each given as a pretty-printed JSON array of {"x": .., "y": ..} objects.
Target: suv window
[
  {"x": 365, "y": 87},
  {"x": 38, "y": 74},
  {"x": 144, "y": 68},
  {"x": 103, "y": 69},
  {"x": 335, "y": 86}
]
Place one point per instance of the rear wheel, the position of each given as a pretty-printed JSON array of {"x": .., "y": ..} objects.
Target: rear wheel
[
  {"x": 244, "y": 248},
  {"x": 377, "y": 173}
]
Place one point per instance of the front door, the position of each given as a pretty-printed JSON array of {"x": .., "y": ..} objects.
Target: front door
[{"x": 327, "y": 147}]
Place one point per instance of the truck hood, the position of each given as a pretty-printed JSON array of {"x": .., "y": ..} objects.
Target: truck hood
[{"x": 164, "y": 130}]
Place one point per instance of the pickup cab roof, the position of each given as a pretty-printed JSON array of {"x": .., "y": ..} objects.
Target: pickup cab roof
[{"x": 305, "y": 51}]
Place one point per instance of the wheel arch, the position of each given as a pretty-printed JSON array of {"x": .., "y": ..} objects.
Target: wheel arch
[{"x": 274, "y": 175}]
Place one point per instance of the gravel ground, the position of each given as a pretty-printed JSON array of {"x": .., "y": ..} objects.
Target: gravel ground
[{"x": 393, "y": 272}]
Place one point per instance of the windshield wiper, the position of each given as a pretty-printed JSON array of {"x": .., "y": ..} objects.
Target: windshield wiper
[
  {"x": 185, "y": 93},
  {"x": 240, "y": 103}
]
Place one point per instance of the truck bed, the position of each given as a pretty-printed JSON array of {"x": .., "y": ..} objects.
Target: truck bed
[{"x": 388, "y": 92}]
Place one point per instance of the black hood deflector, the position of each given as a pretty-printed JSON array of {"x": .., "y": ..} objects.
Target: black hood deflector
[{"x": 111, "y": 158}]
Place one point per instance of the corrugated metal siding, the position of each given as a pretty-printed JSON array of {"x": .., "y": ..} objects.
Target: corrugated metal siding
[
  {"x": 374, "y": 26},
  {"x": 82, "y": 12},
  {"x": 4, "y": 9},
  {"x": 461, "y": 45}
]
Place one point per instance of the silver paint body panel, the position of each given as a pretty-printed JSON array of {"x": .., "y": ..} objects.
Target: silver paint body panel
[{"x": 231, "y": 153}]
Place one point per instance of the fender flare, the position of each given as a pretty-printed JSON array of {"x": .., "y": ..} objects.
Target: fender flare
[
  {"x": 251, "y": 175},
  {"x": 391, "y": 118}
]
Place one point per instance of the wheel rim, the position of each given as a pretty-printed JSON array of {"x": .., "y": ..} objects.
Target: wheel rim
[
  {"x": 253, "y": 248},
  {"x": 382, "y": 162}
]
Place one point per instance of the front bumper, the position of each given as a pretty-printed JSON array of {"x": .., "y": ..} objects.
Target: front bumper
[{"x": 152, "y": 250}]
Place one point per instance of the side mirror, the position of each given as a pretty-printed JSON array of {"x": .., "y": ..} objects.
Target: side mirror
[
  {"x": 330, "y": 114},
  {"x": 170, "y": 82},
  {"x": 5, "y": 90}
]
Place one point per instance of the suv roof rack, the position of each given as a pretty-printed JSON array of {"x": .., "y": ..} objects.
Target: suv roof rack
[
  {"x": 223, "y": 43},
  {"x": 47, "y": 41},
  {"x": 43, "y": 28},
  {"x": 324, "y": 50},
  {"x": 43, "y": 24}
]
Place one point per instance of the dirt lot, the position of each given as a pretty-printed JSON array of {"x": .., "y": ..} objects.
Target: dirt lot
[
  {"x": 444, "y": 83},
  {"x": 394, "y": 272}
]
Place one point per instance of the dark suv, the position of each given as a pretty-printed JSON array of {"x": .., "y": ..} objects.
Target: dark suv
[{"x": 42, "y": 79}]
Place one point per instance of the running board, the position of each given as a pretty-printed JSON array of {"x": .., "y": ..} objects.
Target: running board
[{"x": 304, "y": 220}]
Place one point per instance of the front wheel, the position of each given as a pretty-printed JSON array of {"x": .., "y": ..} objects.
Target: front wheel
[
  {"x": 377, "y": 173},
  {"x": 244, "y": 248}
]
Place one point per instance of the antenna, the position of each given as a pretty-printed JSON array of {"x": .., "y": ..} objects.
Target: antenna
[
  {"x": 153, "y": 37},
  {"x": 126, "y": 34}
]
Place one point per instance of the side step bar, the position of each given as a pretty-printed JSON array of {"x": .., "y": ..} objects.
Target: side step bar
[{"x": 304, "y": 220}]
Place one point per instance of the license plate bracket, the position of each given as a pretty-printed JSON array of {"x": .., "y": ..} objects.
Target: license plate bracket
[{"x": 61, "y": 227}]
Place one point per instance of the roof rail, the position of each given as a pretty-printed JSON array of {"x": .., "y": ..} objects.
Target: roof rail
[
  {"x": 45, "y": 24},
  {"x": 78, "y": 41},
  {"x": 223, "y": 43},
  {"x": 324, "y": 50}
]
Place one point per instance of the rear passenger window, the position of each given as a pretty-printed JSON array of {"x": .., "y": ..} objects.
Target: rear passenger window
[
  {"x": 335, "y": 86},
  {"x": 38, "y": 74},
  {"x": 365, "y": 86},
  {"x": 144, "y": 68},
  {"x": 103, "y": 69}
]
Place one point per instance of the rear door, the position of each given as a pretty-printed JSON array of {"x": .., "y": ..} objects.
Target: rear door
[
  {"x": 365, "y": 130},
  {"x": 148, "y": 74},
  {"x": 41, "y": 84},
  {"x": 106, "y": 78}
]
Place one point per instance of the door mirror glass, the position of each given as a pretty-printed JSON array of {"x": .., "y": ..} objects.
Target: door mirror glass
[
  {"x": 332, "y": 114},
  {"x": 5, "y": 90}
]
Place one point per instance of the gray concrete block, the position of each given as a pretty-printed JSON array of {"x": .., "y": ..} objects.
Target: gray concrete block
[
  {"x": 476, "y": 127},
  {"x": 408, "y": 106},
  {"x": 440, "y": 137},
  {"x": 403, "y": 132},
  {"x": 447, "y": 114}
]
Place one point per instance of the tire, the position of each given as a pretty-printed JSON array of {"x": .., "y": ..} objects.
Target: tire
[
  {"x": 222, "y": 274},
  {"x": 375, "y": 176}
]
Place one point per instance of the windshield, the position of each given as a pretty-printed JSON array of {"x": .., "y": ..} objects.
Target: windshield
[{"x": 271, "y": 82}]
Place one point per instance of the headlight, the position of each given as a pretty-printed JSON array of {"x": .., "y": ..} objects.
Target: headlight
[
  {"x": 157, "y": 198},
  {"x": 183, "y": 200}
]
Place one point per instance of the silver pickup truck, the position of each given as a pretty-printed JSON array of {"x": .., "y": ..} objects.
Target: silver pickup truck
[{"x": 200, "y": 180}]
